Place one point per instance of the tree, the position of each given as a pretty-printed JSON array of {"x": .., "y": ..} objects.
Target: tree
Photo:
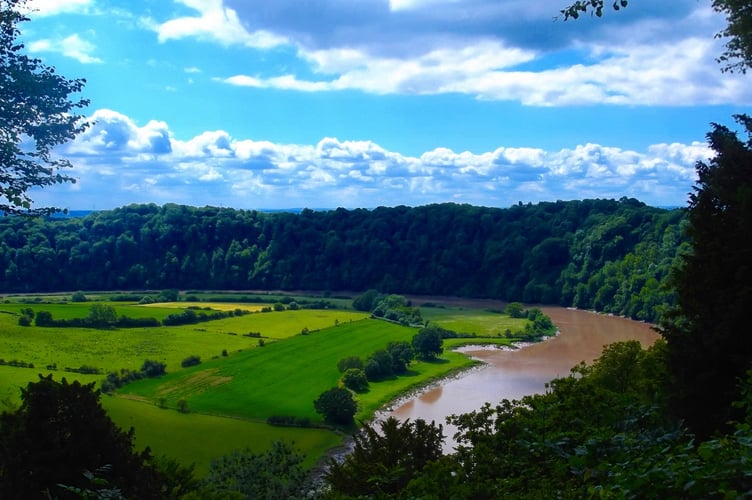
[
  {"x": 709, "y": 349},
  {"x": 61, "y": 431},
  {"x": 738, "y": 31},
  {"x": 336, "y": 405},
  {"x": 428, "y": 343},
  {"x": 152, "y": 368},
  {"x": 515, "y": 310},
  {"x": 384, "y": 461},
  {"x": 275, "y": 473},
  {"x": 355, "y": 379},
  {"x": 102, "y": 315},
  {"x": 402, "y": 353},
  {"x": 37, "y": 114}
]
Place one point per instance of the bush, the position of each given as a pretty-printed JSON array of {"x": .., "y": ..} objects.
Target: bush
[
  {"x": 349, "y": 362},
  {"x": 152, "y": 368},
  {"x": 355, "y": 379},
  {"x": 336, "y": 405},
  {"x": 78, "y": 297},
  {"x": 24, "y": 321},
  {"x": 190, "y": 361}
]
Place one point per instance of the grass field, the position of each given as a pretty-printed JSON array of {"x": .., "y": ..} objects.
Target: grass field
[
  {"x": 229, "y": 397},
  {"x": 480, "y": 322},
  {"x": 195, "y": 438}
]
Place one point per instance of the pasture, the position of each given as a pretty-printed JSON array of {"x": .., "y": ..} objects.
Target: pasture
[{"x": 229, "y": 397}]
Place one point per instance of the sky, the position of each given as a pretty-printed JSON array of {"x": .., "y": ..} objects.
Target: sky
[{"x": 260, "y": 104}]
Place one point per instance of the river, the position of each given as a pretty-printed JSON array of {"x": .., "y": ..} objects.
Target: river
[{"x": 511, "y": 374}]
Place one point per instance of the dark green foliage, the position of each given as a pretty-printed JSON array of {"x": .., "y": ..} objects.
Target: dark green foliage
[
  {"x": 37, "y": 114},
  {"x": 397, "y": 308},
  {"x": 379, "y": 365},
  {"x": 24, "y": 320},
  {"x": 355, "y": 380},
  {"x": 336, "y": 405},
  {"x": 515, "y": 310},
  {"x": 152, "y": 368},
  {"x": 289, "y": 421},
  {"x": 402, "y": 353},
  {"x": 427, "y": 343},
  {"x": 60, "y": 432},
  {"x": 192, "y": 360},
  {"x": 78, "y": 297},
  {"x": 546, "y": 252},
  {"x": 366, "y": 301},
  {"x": 384, "y": 461},
  {"x": 276, "y": 473},
  {"x": 349, "y": 362},
  {"x": 710, "y": 350}
]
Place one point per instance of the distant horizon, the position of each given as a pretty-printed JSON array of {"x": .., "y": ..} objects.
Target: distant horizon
[{"x": 387, "y": 102}]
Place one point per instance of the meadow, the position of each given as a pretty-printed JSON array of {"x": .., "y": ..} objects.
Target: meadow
[{"x": 239, "y": 383}]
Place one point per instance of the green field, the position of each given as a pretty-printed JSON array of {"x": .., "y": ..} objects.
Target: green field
[
  {"x": 474, "y": 321},
  {"x": 229, "y": 397}
]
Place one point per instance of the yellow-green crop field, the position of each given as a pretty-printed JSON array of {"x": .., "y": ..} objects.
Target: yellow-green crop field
[{"x": 239, "y": 383}]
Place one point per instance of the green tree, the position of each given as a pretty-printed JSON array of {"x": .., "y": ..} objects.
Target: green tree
[
  {"x": 59, "y": 432},
  {"x": 349, "y": 362},
  {"x": 515, "y": 310},
  {"x": 427, "y": 343},
  {"x": 275, "y": 473},
  {"x": 709, "y": 351},
  {"x": 355, "y": 379},
  {"x": 337, "y": 406},
  {"x": 102, "y": 315},
  {"x": 384, "y": 461},
  {"x": 152, "y": 368},
  {"x": 402, "y": 354},
  {"x": 35, "y": 103}
]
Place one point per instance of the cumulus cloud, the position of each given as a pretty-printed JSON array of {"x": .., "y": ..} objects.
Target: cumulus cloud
[
  {"x": 647, "y": 55},
  {"x": 72, "y": 46},
  {"x": 119, "y": 162},
  {"x": 213, "y": 21}
]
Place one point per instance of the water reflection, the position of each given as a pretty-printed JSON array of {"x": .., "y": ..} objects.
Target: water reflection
[{"x": 513, "y": 374}]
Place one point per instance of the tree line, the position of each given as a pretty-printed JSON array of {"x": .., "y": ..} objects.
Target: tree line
[{"x": 611, "y": 255}]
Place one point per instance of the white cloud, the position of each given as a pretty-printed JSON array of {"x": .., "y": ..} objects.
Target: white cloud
[
  {"x": 72, "y": 46},
  {"x": 117, "y": 154},
  {"x": 216, "y": 23}
]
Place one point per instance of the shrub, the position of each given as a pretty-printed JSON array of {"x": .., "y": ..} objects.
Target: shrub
[
  {"x": 24, "y": 321},
  {"x": 349, "y": 362},
  {"x": 78, "y": 297},
  {"x": 336, "y": 405},
  {"x": 355, "y": 379},
  {"x": 190, "y": 361}
]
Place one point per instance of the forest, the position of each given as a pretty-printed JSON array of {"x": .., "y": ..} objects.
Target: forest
[{"x": 608, "y": 255}]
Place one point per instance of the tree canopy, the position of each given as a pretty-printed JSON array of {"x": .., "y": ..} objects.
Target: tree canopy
[
  {"x": 61, "y": 432},
  {"x": 37, "y": 114}
]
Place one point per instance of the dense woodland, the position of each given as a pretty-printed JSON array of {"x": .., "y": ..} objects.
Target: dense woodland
[{"x": 602, "y": 254}]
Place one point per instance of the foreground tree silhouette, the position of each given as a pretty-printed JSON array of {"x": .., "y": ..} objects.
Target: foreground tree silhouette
[
  {"x": 710, "y": 349},
  {"x": 37, "y": 114},
  {"x": 59, "y": 434}
]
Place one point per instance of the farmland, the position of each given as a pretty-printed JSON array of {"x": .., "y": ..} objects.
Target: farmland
[{"x": 253, "y": 366}]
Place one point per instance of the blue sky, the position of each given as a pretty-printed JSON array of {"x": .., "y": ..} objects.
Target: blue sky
[{"x": 362, "y": 103}]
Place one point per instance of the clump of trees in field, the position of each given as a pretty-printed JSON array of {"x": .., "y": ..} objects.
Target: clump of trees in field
[{"x": 149, "y": 369}]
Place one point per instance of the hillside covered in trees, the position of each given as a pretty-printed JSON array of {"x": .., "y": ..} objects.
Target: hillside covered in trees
[{"x": 602, "y": 254}]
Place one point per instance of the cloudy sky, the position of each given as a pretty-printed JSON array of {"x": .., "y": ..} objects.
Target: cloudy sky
[{"x": 360, "y": 103}]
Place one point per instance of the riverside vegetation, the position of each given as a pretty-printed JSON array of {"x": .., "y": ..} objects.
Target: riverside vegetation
[{"x": 248, "y": 375}]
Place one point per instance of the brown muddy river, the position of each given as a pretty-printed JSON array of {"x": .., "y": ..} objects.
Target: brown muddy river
[{"x": 513, "y": 374}]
